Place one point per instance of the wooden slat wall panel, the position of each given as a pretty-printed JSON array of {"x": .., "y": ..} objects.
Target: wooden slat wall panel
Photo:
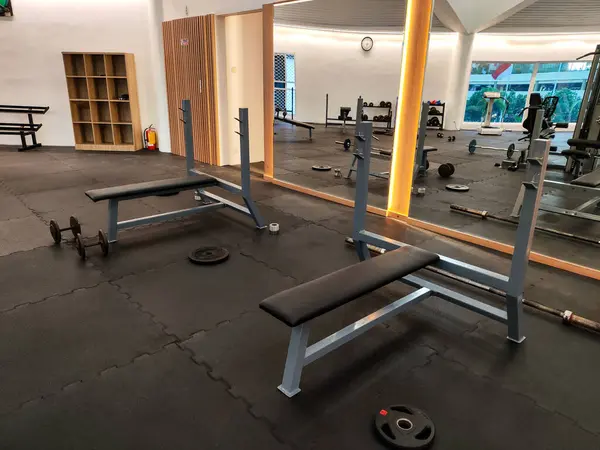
[{"x": 191, "y": 73}]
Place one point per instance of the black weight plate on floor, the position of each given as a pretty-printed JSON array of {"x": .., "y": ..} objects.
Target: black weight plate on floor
[
  {"x": 209, "y": 255},
  {"x": 80, "y": 247},
  {"x": 103, "y": 241},
  {"x": 55, "y": 231},
  {"x": 446, "y": 170},
  {"x": 457, "y": 187},
  {"x": 75, "y": 225},
  {"x": 510, "y": 151},
  {"x": 347, "y": 144},
  {"x": 321, "y": 168},
  {"x": 405, "y": 427}
]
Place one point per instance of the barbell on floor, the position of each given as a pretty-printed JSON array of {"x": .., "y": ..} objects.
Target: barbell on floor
[
  {"x": 510, "y": 151},
  {"x": 56, "y": 230},
  {"x": 81, "y": 246}
]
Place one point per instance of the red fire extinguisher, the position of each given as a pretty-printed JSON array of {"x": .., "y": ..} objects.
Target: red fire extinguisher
[{"x": 150, "y": 138}]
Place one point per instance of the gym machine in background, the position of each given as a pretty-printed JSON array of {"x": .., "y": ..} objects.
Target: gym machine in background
[
  {"x": 583, "y": 155},
  {"x": 486, "y": 127},
  {"x": 344, "y": 117}
]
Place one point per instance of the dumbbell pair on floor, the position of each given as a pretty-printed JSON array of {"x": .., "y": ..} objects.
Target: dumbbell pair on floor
[{"x": 75, "y": 228}]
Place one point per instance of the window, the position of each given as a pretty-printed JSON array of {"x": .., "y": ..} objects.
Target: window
[
  {"x": 285, "y": 82},
  {"x": 511, "y": 80},
  {"x": 566, "y": 80}
]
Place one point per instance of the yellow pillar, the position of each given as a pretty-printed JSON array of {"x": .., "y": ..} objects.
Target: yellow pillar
[{"x": 412, "y": 75}]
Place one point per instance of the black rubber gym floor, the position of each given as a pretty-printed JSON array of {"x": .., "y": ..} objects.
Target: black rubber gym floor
[
  {"x": 143, "y": 350},
  {"x": 491, "y": 188}
]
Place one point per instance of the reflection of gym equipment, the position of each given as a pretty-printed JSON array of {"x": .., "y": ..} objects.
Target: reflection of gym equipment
[
  {"x": 294, "y": 122},
  {"x": 582, "y": 159},
  {"x": 195, "y": 180},
  {"x": 509, "y": 151},
  {"x": 421, "y": 161},
  {"x": 298, "y": 306},
  {"x": 486, "y": 127}
]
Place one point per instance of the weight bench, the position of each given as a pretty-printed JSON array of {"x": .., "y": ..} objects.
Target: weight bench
[
  {"x": 23, "y": 129},
  {"x": 310, "y": 128},
  {"x": 297, "y": 306},
  {"x": 195, "y": 180},
  {"x": 588, "y": 183}
]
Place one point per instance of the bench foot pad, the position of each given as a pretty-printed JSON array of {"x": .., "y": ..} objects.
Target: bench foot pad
[{"x": 288, "y": 393}]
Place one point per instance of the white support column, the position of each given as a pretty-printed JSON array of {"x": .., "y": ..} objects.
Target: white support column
[
  {"x": 157, "y": 58},
  {"x": 459, "y": 82}
]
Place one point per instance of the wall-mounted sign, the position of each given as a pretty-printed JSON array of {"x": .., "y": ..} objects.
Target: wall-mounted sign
[{"x": 185, "y": 42}]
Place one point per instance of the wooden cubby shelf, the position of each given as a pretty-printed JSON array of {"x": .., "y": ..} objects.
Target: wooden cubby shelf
[{"x": 102, "y": 89}]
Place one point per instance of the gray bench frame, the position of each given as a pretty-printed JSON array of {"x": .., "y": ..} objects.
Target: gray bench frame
[
  {"x": 219, "y": 202},
  {"x": 300, "y": 354}
]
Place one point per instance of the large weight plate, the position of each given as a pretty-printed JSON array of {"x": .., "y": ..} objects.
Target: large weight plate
[
  {"x": 208, "y": 255},
  {"x": 103, "y": 241},
  {"x": 510, "y": 151},
  {"x": 457, "y": 187},
  {"x": 347, "y": 144},
  {"x": 55, "y": 232},
  {"x": 75, "y": 225},
  {"x": 472, "y": 146},
  {"x": 405, "y": 427},
  {"x": 80, "y": 247}
]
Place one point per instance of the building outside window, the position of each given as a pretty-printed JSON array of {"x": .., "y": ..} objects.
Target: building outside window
[{"x": 516, "y": 81}]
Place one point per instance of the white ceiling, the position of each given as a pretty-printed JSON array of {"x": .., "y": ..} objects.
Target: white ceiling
[
  {"x": 560, "y": 15},
  {"x": 388, "y": 15},
  {"x": 365, "y": 15}
]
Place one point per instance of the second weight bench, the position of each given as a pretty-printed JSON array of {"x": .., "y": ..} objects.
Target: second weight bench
[{"x": 195, "y": 180}]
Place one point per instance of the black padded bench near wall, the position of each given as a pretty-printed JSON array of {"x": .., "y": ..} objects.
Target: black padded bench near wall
[{"x": 23, "y": 129}]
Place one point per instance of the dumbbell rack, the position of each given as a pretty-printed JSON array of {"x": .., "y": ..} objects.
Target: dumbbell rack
[
  {"x": 441, "y": 114},
  {"x": 388, "y": 123}
]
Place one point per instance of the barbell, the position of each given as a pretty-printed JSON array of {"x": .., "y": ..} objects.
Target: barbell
[{"x": 510, "y": 151}]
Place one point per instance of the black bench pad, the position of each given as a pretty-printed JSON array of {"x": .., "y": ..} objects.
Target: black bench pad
[
  {"x": 583, "y": 143},
  {"x": 313, "y": 299},
  {"x": 591, "y": 179},
  {"x": 151, "y": 188}
]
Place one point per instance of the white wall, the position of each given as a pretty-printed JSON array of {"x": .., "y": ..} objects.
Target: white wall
[
  {"x": 334, "y": 63},
  {"x": 31, "y": 66},
  {"x": 240, "y": 83}
]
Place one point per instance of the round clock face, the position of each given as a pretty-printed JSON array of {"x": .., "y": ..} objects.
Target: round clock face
[{"x": 367, "y": 44}]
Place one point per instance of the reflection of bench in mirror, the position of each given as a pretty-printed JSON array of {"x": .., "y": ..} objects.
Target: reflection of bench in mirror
[
  {"x": 23, "y": 129},
  {"x": 588, "y": 183}
]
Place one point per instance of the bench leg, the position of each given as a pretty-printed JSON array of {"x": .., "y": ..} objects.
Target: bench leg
[
  {"x": 258, "y": 220},
  {"x": 113, "y": 214},
  {"x": 294, "y": 362}
]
